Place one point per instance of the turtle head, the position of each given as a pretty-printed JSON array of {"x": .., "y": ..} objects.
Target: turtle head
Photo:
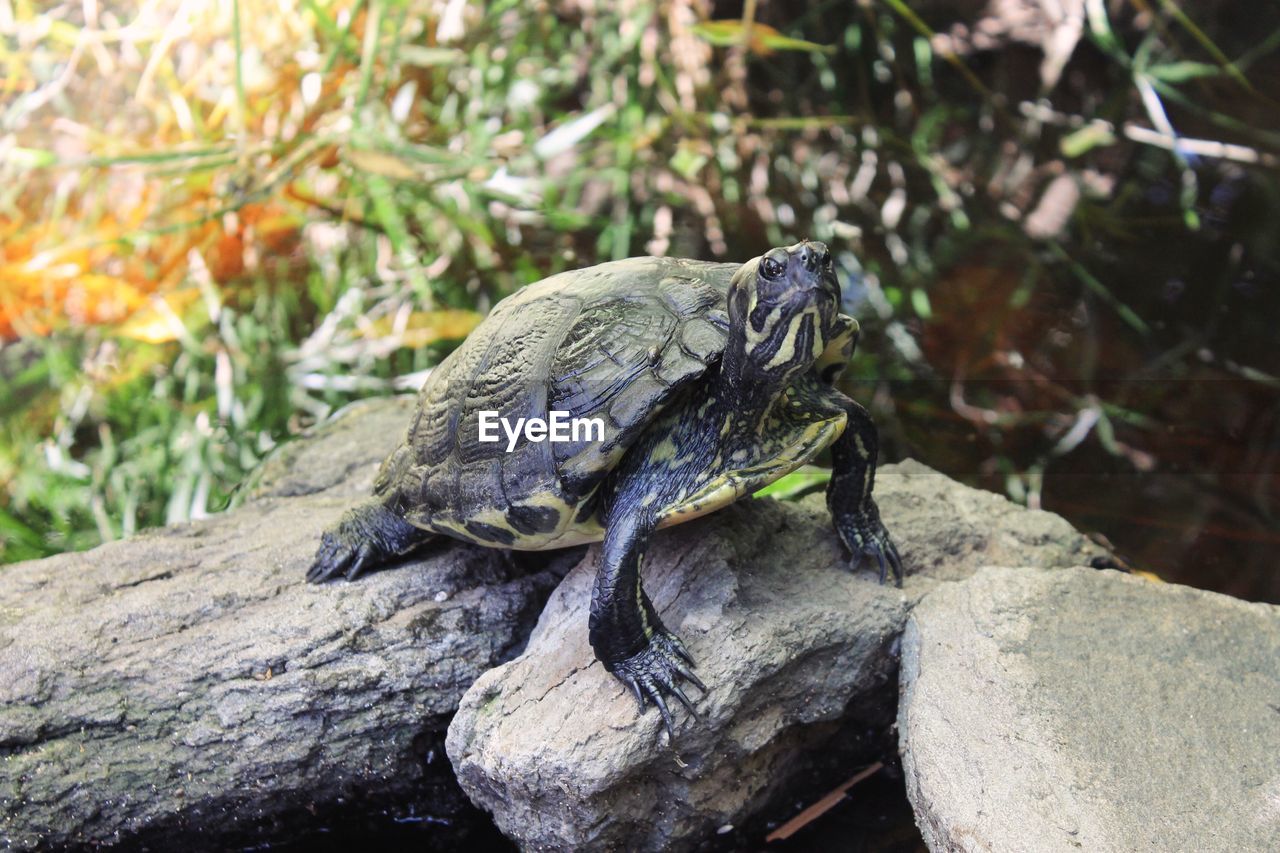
[{"x": 782, "y": 312}]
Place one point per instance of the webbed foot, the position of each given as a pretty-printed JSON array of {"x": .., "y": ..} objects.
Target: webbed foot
[
  {"x": 366, "y": 536},
  {"x": 657, "y": 670},
  {"x": 865, "y": 536}
]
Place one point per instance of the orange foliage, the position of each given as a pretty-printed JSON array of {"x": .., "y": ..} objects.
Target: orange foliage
[
  {"x": 75, "y": 249},
  {"x": 47, "y": 281}
]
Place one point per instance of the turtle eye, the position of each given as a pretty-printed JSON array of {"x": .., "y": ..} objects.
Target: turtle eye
[
  {"x": 772, "y": 269},
  {"x": 826, "y": 262}
]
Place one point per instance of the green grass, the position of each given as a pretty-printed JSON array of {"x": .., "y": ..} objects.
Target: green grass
[{"x": 440, "y": 176}]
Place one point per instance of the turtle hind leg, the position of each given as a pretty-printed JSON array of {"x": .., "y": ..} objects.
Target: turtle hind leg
[{"x": 367, "y": 535}]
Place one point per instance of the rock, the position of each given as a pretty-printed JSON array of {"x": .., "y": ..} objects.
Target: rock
[
  {"x": 1085, "y": 710},
  {"x": 187, "y": 684},
  {"x": 794, "y": 648}
]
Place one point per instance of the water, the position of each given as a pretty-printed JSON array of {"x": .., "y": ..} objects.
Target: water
[{"x": 1180, "y": 471}]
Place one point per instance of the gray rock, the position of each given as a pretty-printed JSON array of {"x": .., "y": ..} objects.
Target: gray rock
[
  {"x": 1086, "y": 710},
  {"x": 188, "y": 682},
  {"x": 793, "y": 647}
]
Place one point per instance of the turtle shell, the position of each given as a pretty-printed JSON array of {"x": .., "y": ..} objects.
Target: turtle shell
[{"x": 616, "y": 342}]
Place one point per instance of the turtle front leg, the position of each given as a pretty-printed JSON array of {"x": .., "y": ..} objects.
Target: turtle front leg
[
  {"x": 366, "y": 536},
  {"x": 853, "y": 511},
  {"x": 625, "y": 631}
]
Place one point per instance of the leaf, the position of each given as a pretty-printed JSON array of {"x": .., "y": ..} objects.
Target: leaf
[
  {"x": 798, "y": 483},
  {"x": 573, "y": 131},
  {"x": 764, "y": 38},
  {"x": 920, "y": 303},
  {"x": 1086, "y": 139},
  {"x": 688, "y": 161},
  {"x": 428, "y": 327},
  {"x": 426, "y": 57},
  {"x": 19, "y": 541},
  {"x": 720, "y": 33},
  {"x": 380, "y": 163},
  {"x": 1180, "y": 72},
  {"x": 160, "y": 320},
  {"x": 30, "y": 158},
  {"x": 1100, "y": 25}
]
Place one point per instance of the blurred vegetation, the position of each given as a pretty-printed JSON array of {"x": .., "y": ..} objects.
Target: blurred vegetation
[{"x": 1059, "y": 223}]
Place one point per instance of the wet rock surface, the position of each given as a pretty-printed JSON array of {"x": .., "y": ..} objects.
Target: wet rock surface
[
  {"x": 1084, "y": 710},
  {"x": 794, "y": 648},
  {"x": 187, "y": 686}
]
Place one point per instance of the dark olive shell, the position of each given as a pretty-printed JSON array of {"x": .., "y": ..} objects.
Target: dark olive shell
[{"x": 617, "y": 342}]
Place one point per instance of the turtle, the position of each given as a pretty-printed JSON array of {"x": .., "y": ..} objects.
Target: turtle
[{"x": 704, "y": 381}]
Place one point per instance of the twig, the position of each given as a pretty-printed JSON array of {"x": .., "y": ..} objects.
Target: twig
[
  {"x": 1200, "y": 147},
  {"x": 822, "y": 806},
  {"x": 1146, "y": 136}
]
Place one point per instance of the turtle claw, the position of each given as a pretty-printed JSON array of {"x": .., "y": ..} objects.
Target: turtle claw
[
  {"x": 684, "y": 700},
  {"x": 886, "y": 555},
  {"x": 865, "y": 536},
  {"x": 332, "y": 558},
  {"x": 336, "y": 556},
  {"x": 635, "y": 690},
  {"x": 364, "y": 555},
  {"x": 366, "y": 536},
  {"x": 655, "y": 672}
]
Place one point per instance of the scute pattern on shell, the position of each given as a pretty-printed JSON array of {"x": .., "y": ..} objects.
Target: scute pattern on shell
[{"x": 615, "y": 342}]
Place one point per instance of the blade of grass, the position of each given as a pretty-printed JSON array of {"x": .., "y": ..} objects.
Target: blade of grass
[
  {"x": 372, "y": 26},
  {"x": 241, "y": 101},
  {"x": 1207, "y": 43},
  {"x": 329, "y": 28},
  {"x": 1091, "y": 282},
  {"x": 804, "y": 122},
  {"x": 393, "y": 55},
  {"x": 906, "y": 13},
  {"x": 386, "y": 209},
  {"x": 341, "y": 43},
  {"x": 1223, "y": 120},
  {"x": 156, "y": 157},
  {"x": 1263, "y": 48}
]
